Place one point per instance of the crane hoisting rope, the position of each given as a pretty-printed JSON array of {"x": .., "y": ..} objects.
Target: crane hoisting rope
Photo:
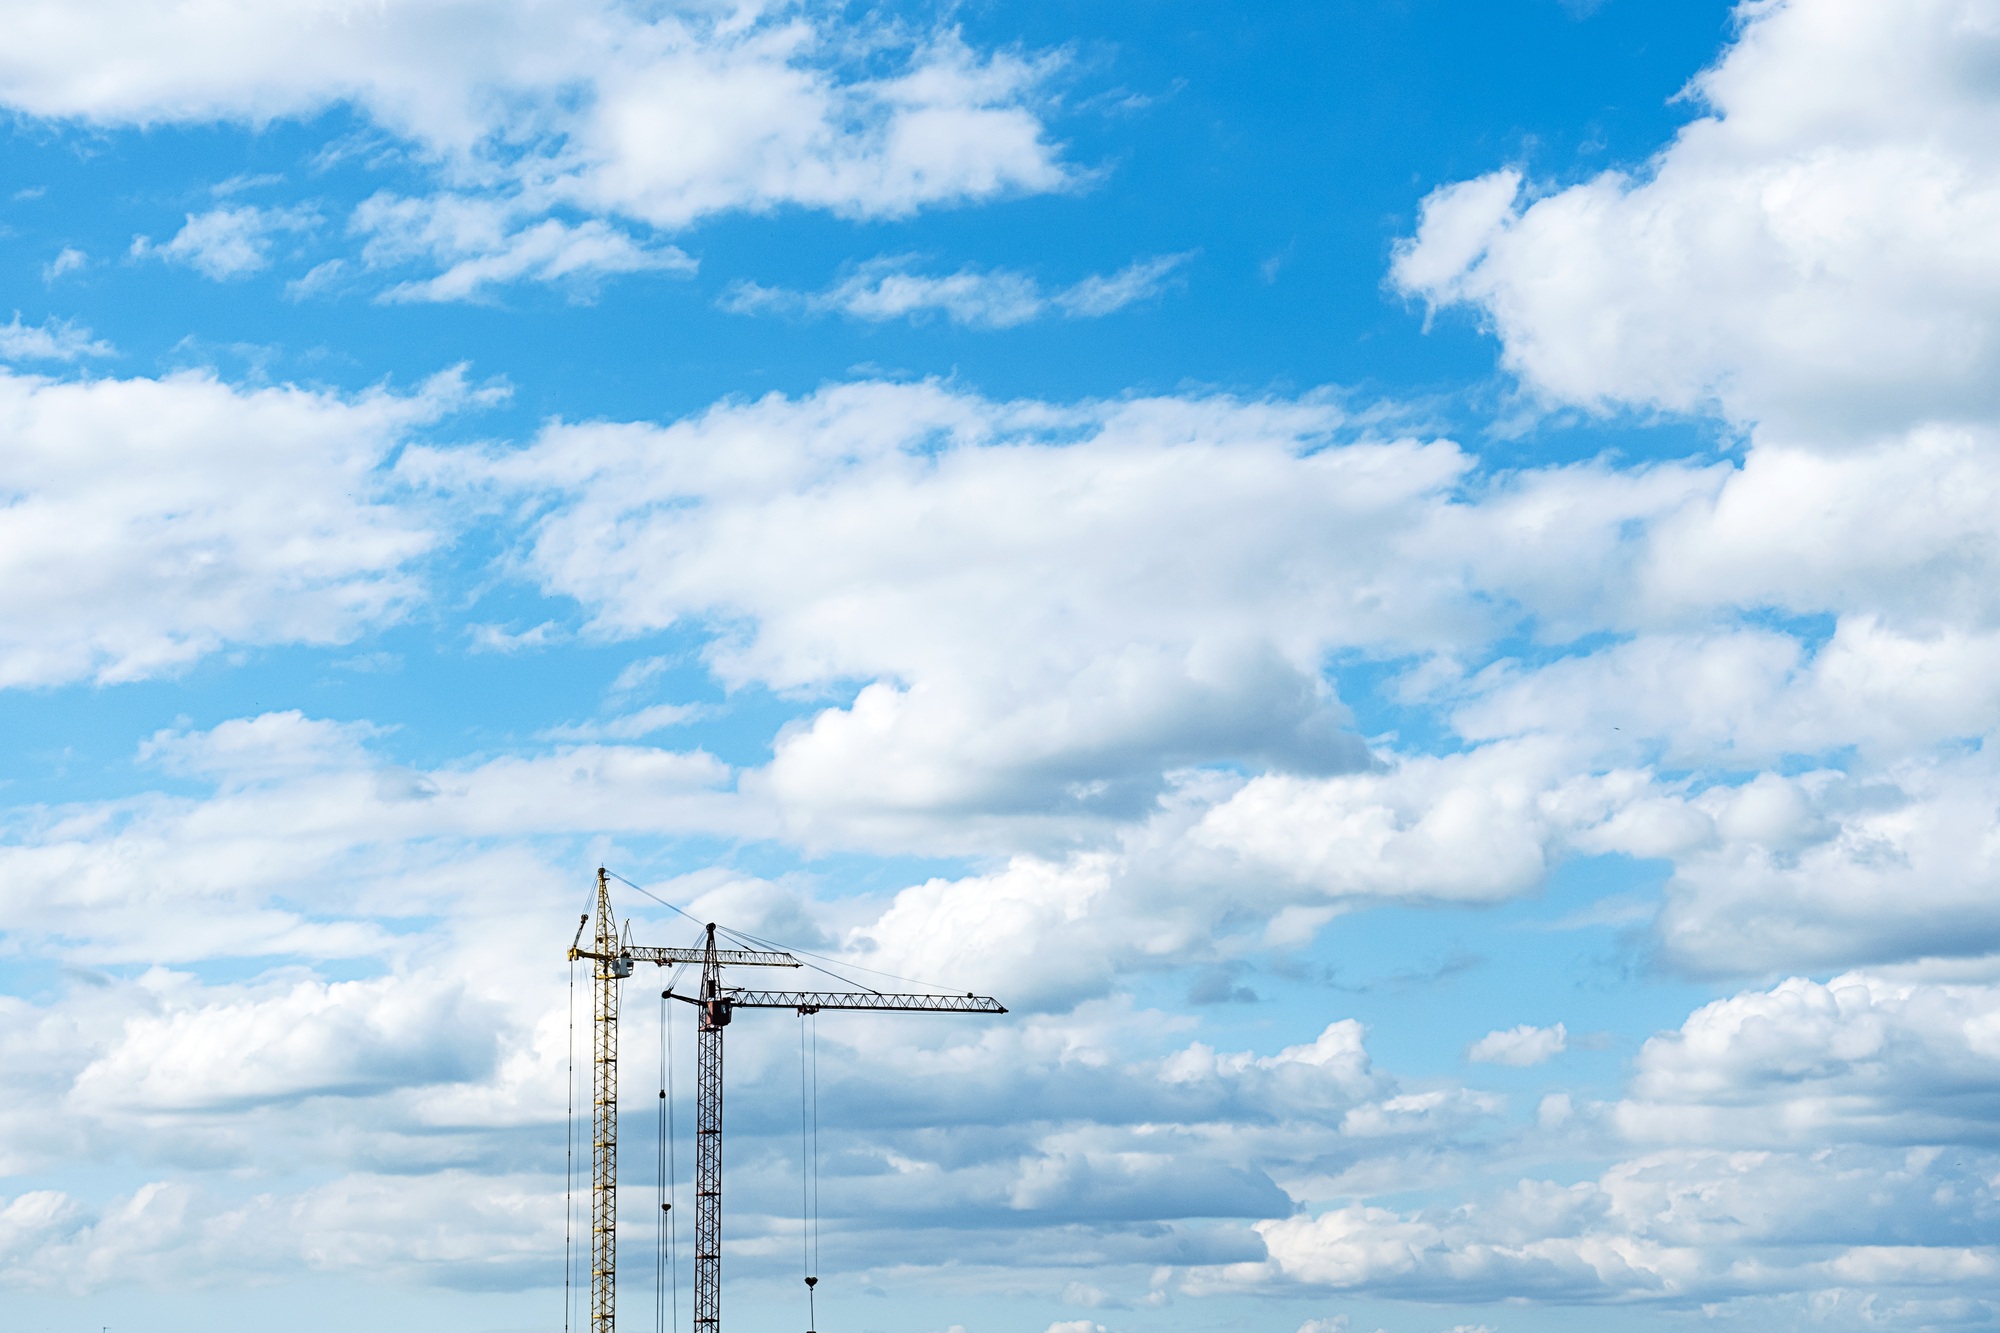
[
  {"x": 809, "y": 1167},
  {"x": 666, "y": 1268},
  {"x": 669, "y": 1161},
  {"x": 569, "y": 1143},
  {"x": 569, "y": 1152}
]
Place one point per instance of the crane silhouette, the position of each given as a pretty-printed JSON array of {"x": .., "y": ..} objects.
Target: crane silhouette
[{"x": 614, "y": 957}]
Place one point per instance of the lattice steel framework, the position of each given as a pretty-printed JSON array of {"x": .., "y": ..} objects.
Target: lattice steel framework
[
  {"x": 716, "y": 1004},
  {"x": 708, "y": 1146},
  {"x": 611, "y": 968}
]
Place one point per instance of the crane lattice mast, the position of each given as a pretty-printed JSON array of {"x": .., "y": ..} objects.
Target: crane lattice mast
[{"x": 715, "y": 1003}]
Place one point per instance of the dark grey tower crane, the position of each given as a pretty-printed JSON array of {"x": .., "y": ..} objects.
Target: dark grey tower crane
[{"x": 715, "y": 1004}]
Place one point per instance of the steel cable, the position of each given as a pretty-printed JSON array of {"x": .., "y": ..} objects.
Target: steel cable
[{"x": 569, "y": 1161}]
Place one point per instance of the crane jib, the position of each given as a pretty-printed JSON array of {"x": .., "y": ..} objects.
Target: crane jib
[
  {"x": 640, "y": 953},
  {"x": 813, "y": 1001},
  {"x": 816, "y": 1000}
]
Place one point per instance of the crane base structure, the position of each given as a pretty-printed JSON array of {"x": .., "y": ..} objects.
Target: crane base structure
[{"x": 614, "y": 957}]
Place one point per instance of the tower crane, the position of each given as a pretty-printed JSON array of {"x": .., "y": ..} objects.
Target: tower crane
[{"x": 614, "y": 955}]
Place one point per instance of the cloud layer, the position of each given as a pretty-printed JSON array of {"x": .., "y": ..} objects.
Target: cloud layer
[
  {"x": 152, "y": 521},
  {"x": 1111, "y": 699},
  {"x": 563, "y": 127}
]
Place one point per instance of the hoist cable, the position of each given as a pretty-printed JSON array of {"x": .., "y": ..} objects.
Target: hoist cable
[
  {"x": 809, "y": 1165},
  {"x": 815, "y": 1142},
  {"x": 650, "y": 894},
  {"x": 809, "y": 1169},
  {"x": 673, "y": 1173},
  {"x": 569, "y": 1159},
  {"x": 805, "y": 1163},
  {"x": 660, "y": 1180}
]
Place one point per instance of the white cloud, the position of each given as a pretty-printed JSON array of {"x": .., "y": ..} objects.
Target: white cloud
[
  {"x": 68, "y": 260},
  {"x": 152, "y": 521},
  {"x": 1858, "y": 1058},
  {"x": 1101, "y": 294},
  {"x": 629, "y": 726},
  {"x": 1771, "y": 872},
  {"x": 227, "y": 243},
  {"x": 1459, "y": 223},
  {"x": 451, "y": 1064},
  {"x": 1041, "y": 616},
  {"x": 1792, "y": 1145},
  {"x": 886, "y": 289},
  {"x": 484, "y": 243},
  {"x": 1831, "y": 869},
  {"x": 662, "y": 116},
  {"x": 1333, "y": 1324},
  {"x": 258, "y": 749},
  {"x": 1812, "y": 254},
  {"x": 412, "y": 1061},
  {"x": 344, "y": 1039},
  {"x": 322, "y": 276},
  {"x": 1482, "y": 825},
  {"x": 1089, "y": 611},
  {"x": 301, "y": 802},
  {"x": 500, "y": 639},
  {"x": 51, "y": 340},
  {"x": 1750, "y": 697},
  {"x": 1520, "y": 1046},
  {"x": 457, "y": 1229},
  {"x": 1094, "y": 638},
  {"x": 1684, "y": 1227}
]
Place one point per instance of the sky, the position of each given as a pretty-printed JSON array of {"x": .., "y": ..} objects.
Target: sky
[{"x": 1410, "y": 585}]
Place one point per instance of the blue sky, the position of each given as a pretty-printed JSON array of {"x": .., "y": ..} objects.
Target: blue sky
[{"x": 1408, "y": 584}]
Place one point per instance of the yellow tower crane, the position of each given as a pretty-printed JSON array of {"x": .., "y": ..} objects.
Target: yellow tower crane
[{"x": 614, "y": 955}]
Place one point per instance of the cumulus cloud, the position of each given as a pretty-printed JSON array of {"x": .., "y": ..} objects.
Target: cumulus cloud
[
  {"x": 68, "y": 260},
  {"x": 1826, "y": 868},
  {"x": 310, "y": 1039},
  {"x": 299, "y": 801},
  {"x": 1190, "y": 1132},
  {"x": 1519, "y": 1046},
  {"x": 1811, "y": 253},
  {"x": 483, "y": 243},
  {"x": 1859, "y": 1058},
  {"x": 1043, "y": 621},
  {"x": 1483, "y": 825},
  {"x": 449, "y": 1069},
  {"x": 1686, "y": 1227},
  {"x": 151, "y": 521},
  {"x": 1086, "y": 574},
  {"x": 227, "y": 243},
  {"x": 886, "y": 289},
  {"x": 661, "y": 116},
  {"x": 51, "y": 340},
  {"x": 1789, "y": 1150},
  {"x": 1052, "y": 657},
  {"x": 471, "y": 1230},
  {"x": 1095, "y": 643},
  {"x": 629, "y": 726}
]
